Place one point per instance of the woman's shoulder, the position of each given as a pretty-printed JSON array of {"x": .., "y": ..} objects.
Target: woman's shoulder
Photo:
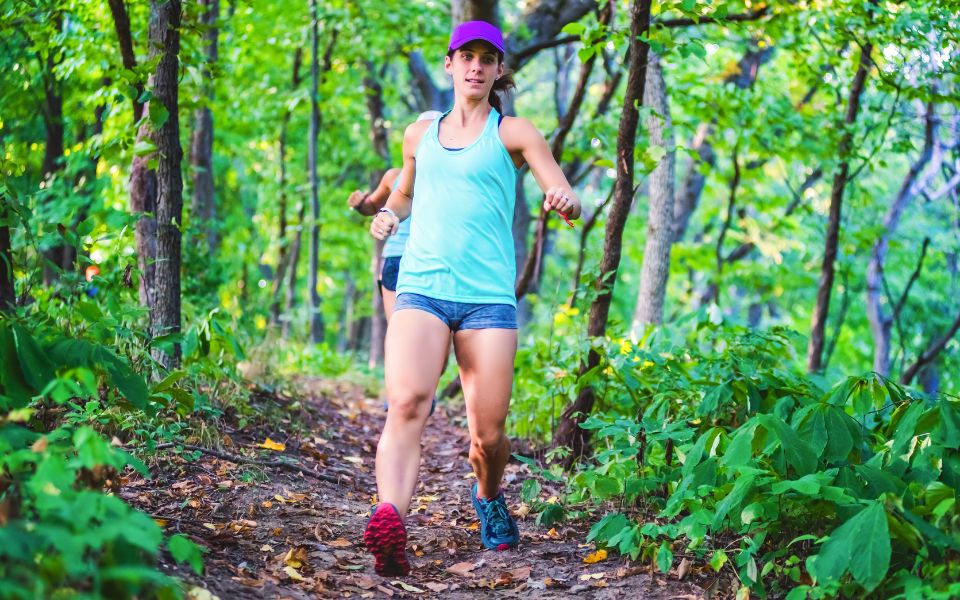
[
  {"x": 415, "y": 131},
  {"x": 517, "y": 132}
]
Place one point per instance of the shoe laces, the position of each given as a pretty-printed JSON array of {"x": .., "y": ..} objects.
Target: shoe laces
[{"x": 498, "y": 518}]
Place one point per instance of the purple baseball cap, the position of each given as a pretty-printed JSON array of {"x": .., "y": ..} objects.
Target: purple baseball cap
[{"x": 476, "y": 30}]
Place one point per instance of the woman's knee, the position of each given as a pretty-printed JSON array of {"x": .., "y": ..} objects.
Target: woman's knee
[
  {"x": 408, "y": 404},
  {"x": 487, "y": 442}
]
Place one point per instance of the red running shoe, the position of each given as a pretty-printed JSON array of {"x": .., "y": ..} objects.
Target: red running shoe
[{"x": 386, "y": 539}]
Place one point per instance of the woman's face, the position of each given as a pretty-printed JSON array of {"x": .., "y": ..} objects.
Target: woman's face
[{"x": 474, "y": 67}]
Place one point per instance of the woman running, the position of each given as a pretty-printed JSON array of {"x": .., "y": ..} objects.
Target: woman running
[{"x": 457, "y": 278}]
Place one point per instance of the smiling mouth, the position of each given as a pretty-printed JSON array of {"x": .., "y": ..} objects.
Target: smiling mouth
[{"x": 478, "y": 81}]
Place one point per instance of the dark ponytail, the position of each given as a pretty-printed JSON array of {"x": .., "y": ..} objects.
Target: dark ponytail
[{"x": 501, "y": 89}]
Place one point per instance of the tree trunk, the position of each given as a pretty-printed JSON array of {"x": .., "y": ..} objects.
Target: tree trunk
[
  {"x": 295, "y": 246},
  {"x": 381, "y": 146},
  {"x": 316, "y": 317},
  {"x": 8, "y": 295},
  {"x": 569, "y": 432},
  {"x": 822, "y": 308},
  {"x": 52, "y": 111},
  {"x": 656, "y": 255},
  {"x": 121, "y": 24},
  {"x": 913, "y": 184},
  {"x": 475, "y": 10},
  {"x": 201, "y": 149},
  {"x": 165, "y": 40},
  {"x": 283, "y": 261}
]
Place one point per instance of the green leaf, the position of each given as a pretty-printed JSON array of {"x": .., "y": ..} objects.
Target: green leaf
[
  {"x": 144, "y": 147},
  {"x": 870, "y": 562},
  {"x": 718, "y": 559},
  {"x": 949, "y": 433},
  {"x": 34, "y": 365},
  {"x": 797, "y": 452},
  {"x": 664, "y": 557},
  {"x": 530, "y": 490},
  {"x": 808, "y": 485},
  {"x": 184, "y": 550},
  {"x": 574, "y": 28}
]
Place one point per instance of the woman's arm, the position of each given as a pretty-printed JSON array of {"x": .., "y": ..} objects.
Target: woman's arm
[
  {"x": 369, "y": 204},
  {"x": 399, "y": 203},
  {"x": 521, "y": 137}
]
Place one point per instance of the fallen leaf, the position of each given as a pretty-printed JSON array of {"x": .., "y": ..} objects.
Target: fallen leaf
[
  {"x": 339, "y": 543},
  {"x": 266, "y": 504},
  {"x": 296, "y": 557},
  {"x": 553, "y": 533},
  {"x": 161, "y": 522},
  {"x": 596, "y": 557},
  {"x": 408, "y": 587},
  {"x": 199, "y": 593},
  {"x": 363, "y": 582},
  {"x": 589, "y": 576},
  {"x": 683, "y": 569},
  {"x": 293, "y": 574},
  {"x": 272, "y": 445},
  {"x": 266, "y": 548},
  {"x": 462, "y": 569},
  {"x": 522, "y": 511},
  {"x": 354, "y": 459},
  {"x": 436, "y": 587},
  {"x": 474, "y": 526},
  {"x": 210, "y": 526},
  {"x": 521, "y": 573},
  {"x": 384, "y": 590}
]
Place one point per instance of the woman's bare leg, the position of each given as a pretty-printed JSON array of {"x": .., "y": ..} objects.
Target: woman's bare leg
[
  {"x": 485, "y": 357},
  {"x": 416, "y": 346}
]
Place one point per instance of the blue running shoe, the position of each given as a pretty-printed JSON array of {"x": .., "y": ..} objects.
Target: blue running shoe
[{"x": 498, "y": 530}]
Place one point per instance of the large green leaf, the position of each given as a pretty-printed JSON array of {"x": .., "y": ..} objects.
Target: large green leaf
[
  {"x": 798, "y": 453},
  {"x": 860, "y": 546},
  {"x": 81, "y": 353},
  {"x": 36, "y": 368}
]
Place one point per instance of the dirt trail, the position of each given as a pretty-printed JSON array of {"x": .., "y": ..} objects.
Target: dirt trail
[{"x": 275, "y": 533}]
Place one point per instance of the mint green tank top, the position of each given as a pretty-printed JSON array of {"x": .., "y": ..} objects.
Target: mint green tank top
[
  {"x": 460, "y": 246},
  {"x": 398, "y": 241}
]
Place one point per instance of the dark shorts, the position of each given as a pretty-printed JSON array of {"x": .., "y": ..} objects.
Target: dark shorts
[
  {"x": 389, "y": 273},
  {"x": 461, "y": 315}
]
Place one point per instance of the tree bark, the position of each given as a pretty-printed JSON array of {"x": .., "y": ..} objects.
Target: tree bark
[
  {"x": 656, "y": 254},
  {"x": 381, "y": 146},
  {"x": 201, "y": 149},
  {"x": 825, "y": 287},
  {"x": 283, "y": 260},
  {"x": 316, "y": 316},
  {"x": 52, "y": 111},
  {"x": 913, "y": 184},
  {"x": 121, "y": 24},
  {"x": 569, "y": 433},
  {"x": 8, "y": 297},
  {"x": 931, "y": 352},
  {"x": 475, "y": 10},
  {"x": 165, "y": 40}
]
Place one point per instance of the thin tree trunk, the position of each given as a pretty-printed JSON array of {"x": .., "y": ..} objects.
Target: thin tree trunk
[
  {"x": 8, "y": 296},
  {"x": 316, "y": 316},
  {"x": 283, "y": 262},
  {"x": 143, "y": 179},
  {"x": 825, "y": 287},
  {"x": 913, "y": 184},
  {"x": 165, "y": 40},
  {"x": 569, "y": 432},
  {"x": 291, "y": 299},
  {"x": 121, "y": 24},
  {"x": 529, "y": 278},
  {"x": 656, "y": 255},
  {"x": 475, "y": 10},
  {"x": 201, "y": 149},
  {"x": 381, "y": 146},
  {"x": 927, "y": 356},
  {"x": 53, "y": 149}
]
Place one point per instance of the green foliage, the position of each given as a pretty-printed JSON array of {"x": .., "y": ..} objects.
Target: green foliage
[
  {"x": 59, "y": 533},
  {"x": 713, "y": 443}
]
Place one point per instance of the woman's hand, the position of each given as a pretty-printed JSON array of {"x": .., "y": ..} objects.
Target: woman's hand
[
  {"x": 384, "y": 224},
  {"x": 357, "y": 199},
  {"x": 562, "y": 200}
]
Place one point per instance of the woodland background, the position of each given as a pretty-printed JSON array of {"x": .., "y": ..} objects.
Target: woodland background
[{"x": 745, "y": 354}]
